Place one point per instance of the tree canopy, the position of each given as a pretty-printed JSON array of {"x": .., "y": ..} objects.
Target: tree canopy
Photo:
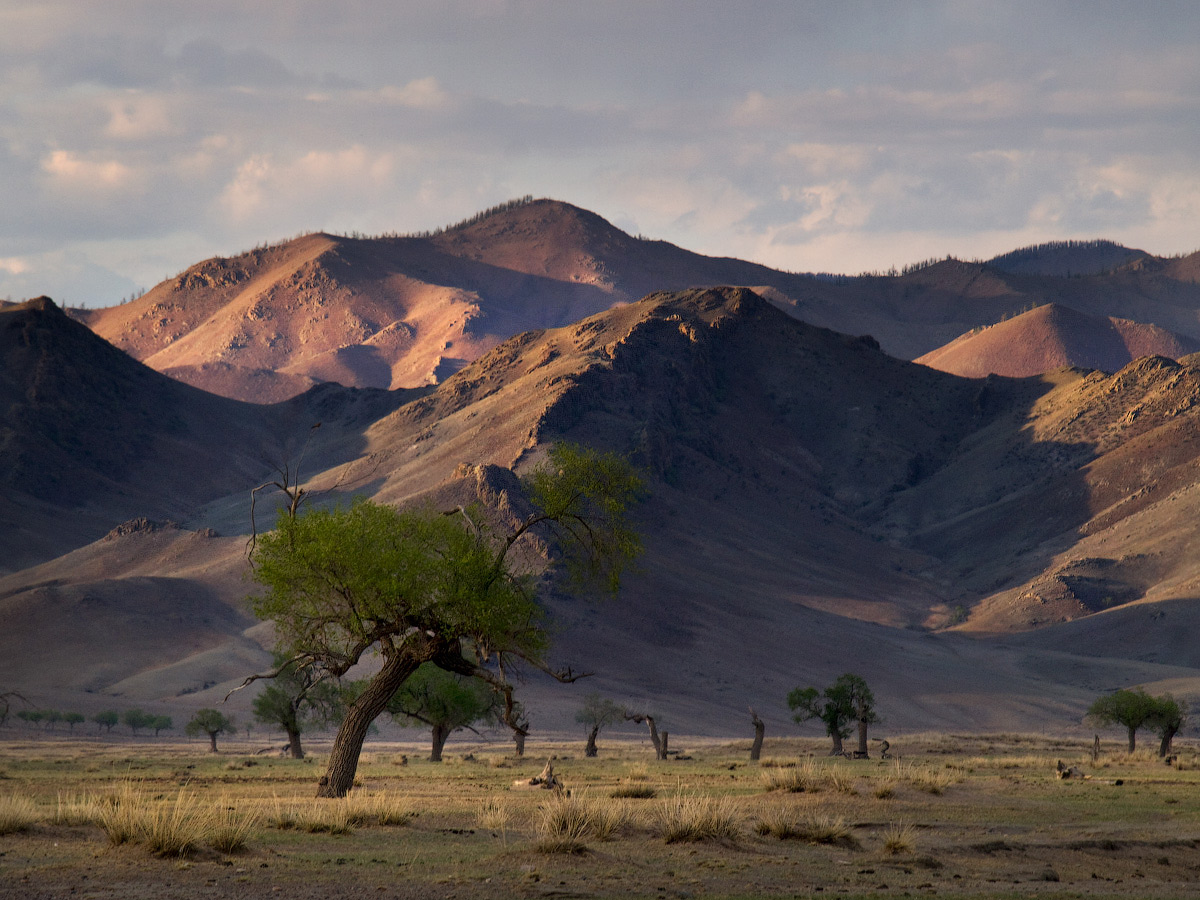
[
  {"x": 1134, "y": 709},
  {"x": 296, "y": 699},
  {"x": 444, "y": 701},
  {"x": 421, "y": 586},
  {"x": 211, "y": 722},
  {"x": 848, "y": 700}
]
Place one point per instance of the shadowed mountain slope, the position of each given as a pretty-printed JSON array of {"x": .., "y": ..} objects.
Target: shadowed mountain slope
[
  {"x": 814, "y": 507},
  {"x": 91, "y": 437},
  {"x": 1051, "y": 337}
]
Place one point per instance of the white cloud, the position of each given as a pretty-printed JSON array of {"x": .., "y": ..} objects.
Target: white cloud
[
  {"x": 328, "y": 181},
  {"x": 71, "y": 172}
]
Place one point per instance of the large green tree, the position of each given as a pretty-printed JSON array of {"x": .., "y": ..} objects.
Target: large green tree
[
  {"x": 841, "y": 705},
  {"x": 418, "y": 586},
  {"x": 297, "y": 699},
  {"x": 445, "y": 702}
]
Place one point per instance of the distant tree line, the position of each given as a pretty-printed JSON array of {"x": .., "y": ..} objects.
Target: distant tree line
[{"x": 135, "y": 720}]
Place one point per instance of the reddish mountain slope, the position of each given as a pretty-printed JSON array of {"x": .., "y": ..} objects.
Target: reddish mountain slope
[
  {"x": 1052, "y": 336},
  {"x": 391, "y": 312},
  {"x": 407, "y": 312}
]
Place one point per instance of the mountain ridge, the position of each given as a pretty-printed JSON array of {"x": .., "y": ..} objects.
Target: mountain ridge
[{"x": 410, "y": 311}]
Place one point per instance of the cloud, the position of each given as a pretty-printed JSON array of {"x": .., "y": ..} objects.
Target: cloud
[
  {"x": 323, "y": 182},
  {"x": 803, "y": 134},
  {"x": 70, "y": 172}
]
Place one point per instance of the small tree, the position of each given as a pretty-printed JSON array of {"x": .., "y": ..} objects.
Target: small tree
[
  {"x": 136, "y": 719},
  {"x": 51, "y": 717},
  {"x": 862, "y": 704},
  {"x": 6, "y": 699},
  {"x": 160, "y": 723},
  {"x": 445, "y": 702},
  {"x": 106, "y": 719},
  {"x": 1166, "y": 720},
  {"x": 295, "y": 700},
  {"x": 596, "y": 713},
  {"x": 834, "y": 707},
  {"x": 210, "y": 722},
  {"x": 520, "y": 727},
  {"x": 1129, "y": 708},
  {"x": 32, "y": 716},
  {"x": 72, "y": 719}
]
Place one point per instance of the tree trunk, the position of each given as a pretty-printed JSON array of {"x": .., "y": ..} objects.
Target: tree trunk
[
  {"x": 294, "y": 748},
  {"x": 862, "y": 739},
  {"x": 440, "y": 733},
  {"x": 760, "y": 729},
  {"x": 1168, "y": 735},
  {"x": 665, "y": 736},
  {"x": 343, "y": 758},
  {"x": 1132, "y": 732},
  {"x": 837, "y": 750},
  {"x": 590, "y": 749},
  {"x": 519, "y": 740},
  {"x": 660, "y": 749},
  {"x": 212, "y": 740}
]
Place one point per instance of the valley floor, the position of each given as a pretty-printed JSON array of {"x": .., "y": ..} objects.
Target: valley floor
[{"x": 952, "y": 816}]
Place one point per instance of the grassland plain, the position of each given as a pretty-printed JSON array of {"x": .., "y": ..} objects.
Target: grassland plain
[{"x": 952, "y": 816}]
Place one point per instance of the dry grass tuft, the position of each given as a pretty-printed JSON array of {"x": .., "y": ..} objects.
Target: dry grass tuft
[
  {"x": 564, "y": 820},
  {"x": 495, "y": 816},
  {"x": 885, "y": 787},
  {"x": 697, "y": 818},
  {"x": 77, "y": 809},
  {"x": 230, "y": 827},
  {"x": 839, "y": 780},
  {"x": 795, "y": 778},
  {"x": 120, "y": 816},
  {"x": 898, "y": 838},
  {"x": 17, "y": 814},
  {"x": 784, "y": 824},
  {"x": 171, "y": 827},
  {"x": 923, "y": 778}
]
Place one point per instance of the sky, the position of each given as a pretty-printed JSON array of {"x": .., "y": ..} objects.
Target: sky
[{"x": 138, "y": 138}]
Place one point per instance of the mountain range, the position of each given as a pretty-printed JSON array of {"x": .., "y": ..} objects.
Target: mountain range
[
  {"x": 392, "y": 312},
  {"x": 989, "y": 552}
]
